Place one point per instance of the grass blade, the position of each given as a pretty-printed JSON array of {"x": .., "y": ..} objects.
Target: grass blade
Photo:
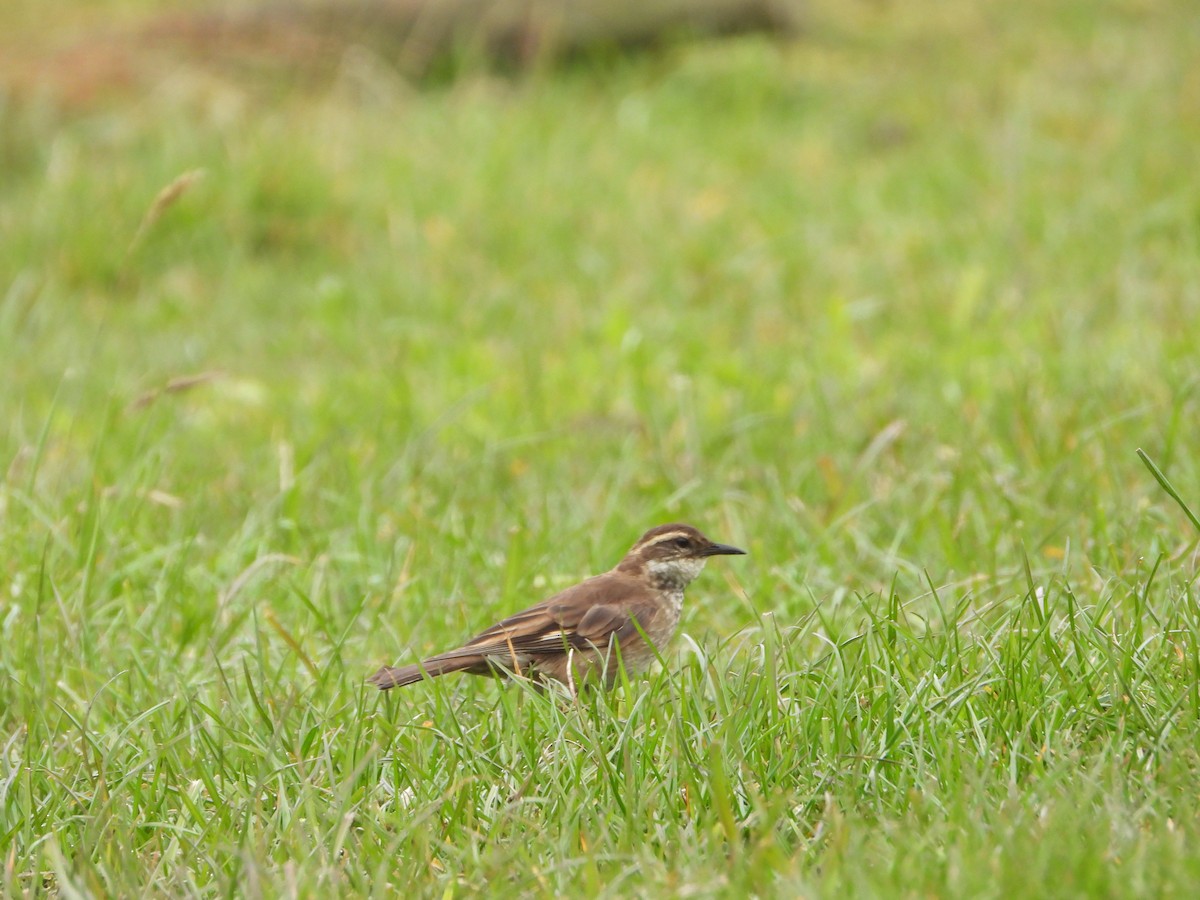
[{"x": 1167, "y": 486}]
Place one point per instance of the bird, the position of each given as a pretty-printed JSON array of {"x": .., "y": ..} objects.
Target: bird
[{"x": 570, "y": 638}]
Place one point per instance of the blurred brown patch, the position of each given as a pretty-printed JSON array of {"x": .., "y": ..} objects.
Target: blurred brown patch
[
  {"x": 418, "y": 37},
  {"x": 76, "y": 76}
]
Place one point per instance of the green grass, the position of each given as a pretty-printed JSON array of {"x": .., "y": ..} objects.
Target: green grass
[{"x": 892, "y": 307}]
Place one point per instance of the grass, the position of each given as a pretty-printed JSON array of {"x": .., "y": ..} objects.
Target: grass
[{"x": 892, "y": 307}]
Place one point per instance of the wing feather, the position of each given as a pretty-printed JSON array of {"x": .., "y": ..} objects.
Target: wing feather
[{"x": 589, "y": 614}]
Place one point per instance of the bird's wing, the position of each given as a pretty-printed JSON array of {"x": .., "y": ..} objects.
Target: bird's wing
[
  {"x": 589, "y": 614},
  {"x": 606, "y": 622}
]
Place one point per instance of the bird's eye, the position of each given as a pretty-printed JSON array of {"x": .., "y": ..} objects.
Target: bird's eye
[{"x": 682, "y": 543}]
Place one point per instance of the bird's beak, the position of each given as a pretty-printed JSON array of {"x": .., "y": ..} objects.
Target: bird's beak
[{"x": 723, "y": 550}]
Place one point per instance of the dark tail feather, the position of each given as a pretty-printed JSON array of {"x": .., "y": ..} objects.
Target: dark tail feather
[{"x": 388, "y": 677}]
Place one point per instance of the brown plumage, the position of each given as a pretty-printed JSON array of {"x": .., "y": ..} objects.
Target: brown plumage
[{"x": 570, "y": 636}]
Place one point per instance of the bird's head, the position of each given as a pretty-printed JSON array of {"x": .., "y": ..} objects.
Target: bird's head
[{"x": 673, "y": 555}]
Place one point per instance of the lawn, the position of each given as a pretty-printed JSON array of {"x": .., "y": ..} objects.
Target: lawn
[{"x": 892, "y": 306}]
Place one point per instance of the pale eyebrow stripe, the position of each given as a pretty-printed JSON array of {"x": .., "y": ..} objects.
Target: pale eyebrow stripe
[{"x": 658, "y": 539}]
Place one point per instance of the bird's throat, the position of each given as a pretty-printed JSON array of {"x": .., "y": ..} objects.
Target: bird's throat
[{"x": 671, "y": 575}]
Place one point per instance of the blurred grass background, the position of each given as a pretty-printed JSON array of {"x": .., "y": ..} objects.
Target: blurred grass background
[{"x": 891, "y": 305}]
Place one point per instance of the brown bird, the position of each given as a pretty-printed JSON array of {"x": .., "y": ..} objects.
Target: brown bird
[{"x": 570, "y": 637}]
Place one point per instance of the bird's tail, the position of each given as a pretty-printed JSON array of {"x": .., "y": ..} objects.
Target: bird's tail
[{"x": 389, "y": 677}]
